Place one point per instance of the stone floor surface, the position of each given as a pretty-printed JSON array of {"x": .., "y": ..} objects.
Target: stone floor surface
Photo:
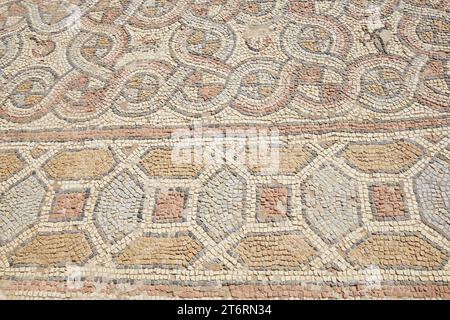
[{"x": 239, "y": 149}]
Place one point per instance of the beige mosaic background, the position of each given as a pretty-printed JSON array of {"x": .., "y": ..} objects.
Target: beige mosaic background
[{"x": 244, "y": 149}]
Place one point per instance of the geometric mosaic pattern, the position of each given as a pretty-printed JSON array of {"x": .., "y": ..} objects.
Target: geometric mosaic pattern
[{"x": 225, "y": 149}]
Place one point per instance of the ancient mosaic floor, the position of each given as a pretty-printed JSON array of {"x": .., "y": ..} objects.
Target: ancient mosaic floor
[{"x": 224, "y": 149}]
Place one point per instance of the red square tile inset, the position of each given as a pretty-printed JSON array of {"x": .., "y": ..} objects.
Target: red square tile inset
[
  {"x": 387, "y": 201},
  {"x": 68, "y": 205},
  {"x": 170, "y": 205},
  {"x": 273, "y": 202}
]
